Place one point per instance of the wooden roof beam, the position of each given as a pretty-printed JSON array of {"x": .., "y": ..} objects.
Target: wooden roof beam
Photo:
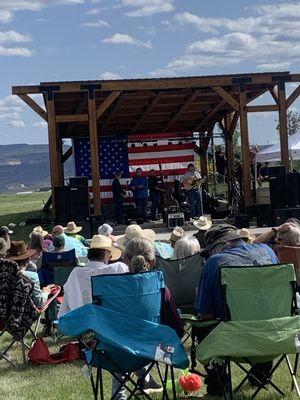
[
  {"x": 210, "y": 114},
  {"x": 290, "y": 100},
  {"x": 182, "y": 110},
  {"x": 274, "y": 94},
  {"x": 114, "y": 111},
  {"x": 226, "y": 96},
  {"x": 107, "y": 102},
  {"x": 152, "y": 105},
  {"x": 263, "y": 108},
  {"x": 34, "y": 106}
]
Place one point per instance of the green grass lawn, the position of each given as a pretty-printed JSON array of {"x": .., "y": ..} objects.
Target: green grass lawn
[{"x": 17, "y": 208}]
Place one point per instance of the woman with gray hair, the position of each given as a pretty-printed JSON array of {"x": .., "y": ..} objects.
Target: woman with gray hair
[
  {"x": 185, "y": 247},
  {"x": 139, "y": 255}
]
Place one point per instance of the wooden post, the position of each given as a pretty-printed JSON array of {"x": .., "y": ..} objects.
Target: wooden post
[
  {"x": 203, "y": 157},
  {"x": 53, "y": 147},
  {"x": 284, "y": 144},
  {"x": 94, "y": 143},
  {"x": 245, "y": 149},
  {"x": 229, "y": 155},
  {"x": 60, "y": 159}
]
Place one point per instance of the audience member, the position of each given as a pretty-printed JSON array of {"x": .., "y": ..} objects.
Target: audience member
[
  {"x": 134, "y": 231},
  {"x": 177, "y": 233},
  {"x": 70, "y": 242},
  {"x": 287, "y": 234},
  {"x": 19, "y": 253},
  {"x": 36, "y": 243},
  {"x": 78, "y": 286},
  {"x": 59, "y": 244},
  {"x": 226, "y": 247},
  {"x": 185, "y": 247},
  {"x": 3, "y": 248},
  {"x": 107, "y": 230},
  {"x": 5, "y": 233},
  {"x": 203, "y": 224},
  {"x": 47, "y": 238},
  {"x": 72, "y": 230}
]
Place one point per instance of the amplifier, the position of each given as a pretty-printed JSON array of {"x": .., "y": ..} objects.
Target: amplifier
[{"x": 175, "y": 220}]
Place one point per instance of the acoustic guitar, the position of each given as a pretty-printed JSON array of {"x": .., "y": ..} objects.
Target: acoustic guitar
[{"x": 192, "y": 183}]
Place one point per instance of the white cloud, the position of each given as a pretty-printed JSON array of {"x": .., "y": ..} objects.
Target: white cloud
[
  {"x": 40, "y": 125},
  {"x": 16, "y": 51},
  {"x": 269, "y": 38},
  {"x": 96, "y": 24},
  {"x": 11, "y": 108},
  {"x": 149, "y": 30},
  {"x": 8, "y": 7},
  {"x": 17, "y": 124},
  {"x": 120, "y": 38},
  {"x": 93, "y": 11},
  {"x": 274, "y": 66},
  {"x": 109, "y": 76},
  {"x": 146, "y": 8},
  {"x": 13, "y": 37}
]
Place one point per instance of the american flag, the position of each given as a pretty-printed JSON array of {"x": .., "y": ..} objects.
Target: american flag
[{"x": 168, "y": 154}]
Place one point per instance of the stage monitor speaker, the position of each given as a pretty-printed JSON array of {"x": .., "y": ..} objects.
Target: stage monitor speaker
[
  {"x": 281, "y": 215},
  {"x": 75, "y": 181},
  {"x": 95, "y": 222},
  {"x": 242, "y": 221},
  {"x": 264, "y": 215},
  {"x": 62, "y": 204},
  {"x": 175, "y": 220},
  {"x": 79, "y": 203},
  {"x": 278, "y": 189},
  {"x": 293, "y": 189}
]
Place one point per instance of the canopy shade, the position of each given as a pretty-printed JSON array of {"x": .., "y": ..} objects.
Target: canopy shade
[{"x": 273, "y": 153}]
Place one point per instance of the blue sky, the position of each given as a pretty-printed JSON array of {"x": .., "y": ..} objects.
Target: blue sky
[{"x": 49, "y": 40}]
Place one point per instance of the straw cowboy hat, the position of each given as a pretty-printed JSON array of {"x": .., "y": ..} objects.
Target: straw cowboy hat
[
  {"x": 132, "y": 232},
  {"x": 105, "y": 243},
  {"x": 3, "y": 247},
  {"x": 40, "y": 230},
  {"x": 19, "y": 251},
  {"x": 177, "y": 233},
  {"x": 203, "y": 223},
  {"x": 72, "y": 228},
  {"x": 248, "y": 237}
]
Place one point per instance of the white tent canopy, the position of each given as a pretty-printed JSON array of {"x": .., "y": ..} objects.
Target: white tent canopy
[{"x": 272, "y": 153}]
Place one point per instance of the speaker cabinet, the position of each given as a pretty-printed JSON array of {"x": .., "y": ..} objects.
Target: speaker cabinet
[
  {"x": 281, "y": 215},
  {"x": 293, "y": 189},
  {"x": 278, "y": 189},
  {"x": 242, "y": 221},
  {"x": 78, "y": 181},
  {"x": 62, "y": 204},
  {"x": 79, "y": 203},
  {"x": 264, "y": 215},
  {"x": 95, "y": 222}
]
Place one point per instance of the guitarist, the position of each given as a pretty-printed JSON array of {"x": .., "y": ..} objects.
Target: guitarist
[{"x": 191, "y": 181}]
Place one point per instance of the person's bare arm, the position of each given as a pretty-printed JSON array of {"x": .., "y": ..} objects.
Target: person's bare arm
[{"x": 270, "y": 234}]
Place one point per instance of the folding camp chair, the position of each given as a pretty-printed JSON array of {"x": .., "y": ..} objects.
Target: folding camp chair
[
  {"x": 51, "y": 260},
  {"x": 260, "y": 324},
  {"x": 290, "y": 255},
  {"x": 125, "y": 318},
  {"x": 182, "y": 278},
  {"x": 20, "y": 335}
]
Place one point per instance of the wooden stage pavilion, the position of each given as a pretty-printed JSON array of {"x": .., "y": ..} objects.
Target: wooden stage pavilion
[{"x": 144, "y": 106}]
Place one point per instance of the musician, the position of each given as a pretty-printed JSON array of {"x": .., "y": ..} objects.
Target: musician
[
  {"x": 118, "y": 196},
  {"x": 154, "y": 190},
  {"x": 192, "y": 182},
  {"x": 139, "y": 187},
  {"x": 263, "y": 175}
]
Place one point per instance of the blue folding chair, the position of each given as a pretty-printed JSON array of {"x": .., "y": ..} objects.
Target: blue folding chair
[
  {"x": 51, "y": 260},
  {"x": 125, "y": 318}
]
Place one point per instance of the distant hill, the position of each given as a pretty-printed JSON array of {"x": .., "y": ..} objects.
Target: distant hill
[{"x": 26, "y": 167}]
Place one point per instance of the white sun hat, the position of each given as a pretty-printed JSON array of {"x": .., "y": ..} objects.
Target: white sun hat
[
  {"x": 132, "y": 232},
  {"x": 203, "y": 223}
]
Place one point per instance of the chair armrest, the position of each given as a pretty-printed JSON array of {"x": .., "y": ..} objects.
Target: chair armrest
[
  {"x": 194, "y": 321},
  {"x": 53, "y": 295}
]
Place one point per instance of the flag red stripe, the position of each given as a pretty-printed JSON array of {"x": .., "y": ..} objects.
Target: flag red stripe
[
  {"x": 166, "y": 160},
  {"x": 166, "y": 147}
]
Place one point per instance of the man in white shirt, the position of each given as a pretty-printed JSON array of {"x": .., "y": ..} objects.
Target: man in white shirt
[
  {"x": 77, "y": 289},
  {"x": 192, "y": 183}
]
